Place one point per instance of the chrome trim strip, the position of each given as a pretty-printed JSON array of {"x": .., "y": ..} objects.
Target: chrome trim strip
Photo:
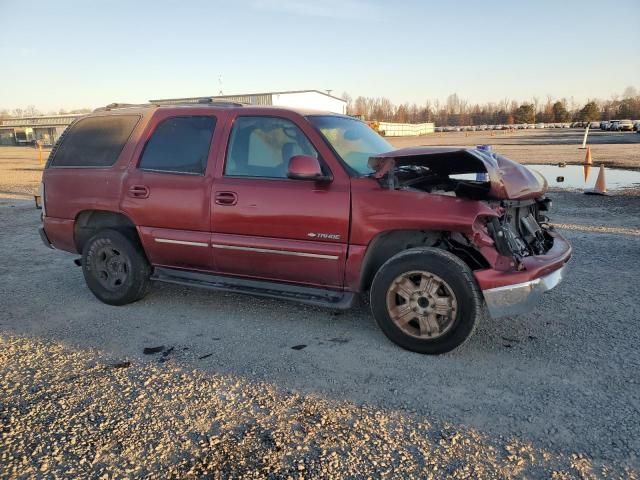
[
  {"x": 181, "y": 242},
  {"x": 279, "y": 252}
]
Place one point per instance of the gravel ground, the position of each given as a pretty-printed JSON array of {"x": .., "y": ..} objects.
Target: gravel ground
[{"x": 240, "y": 383}]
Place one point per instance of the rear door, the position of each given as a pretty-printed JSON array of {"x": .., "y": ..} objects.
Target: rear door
[
  {"x": 267, "y": 226},
  {"x": 167, "y": 190}
]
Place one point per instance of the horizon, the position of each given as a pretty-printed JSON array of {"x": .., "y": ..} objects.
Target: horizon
[{"x": 416, "y": 52}]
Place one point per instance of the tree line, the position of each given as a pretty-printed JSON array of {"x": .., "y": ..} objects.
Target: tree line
[{"x": 455, "y": 111}]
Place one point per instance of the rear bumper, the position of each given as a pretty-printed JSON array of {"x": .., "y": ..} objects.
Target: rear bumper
[
  {"x": 44, "y": 238},
  {"x": 522, "y": 297}
]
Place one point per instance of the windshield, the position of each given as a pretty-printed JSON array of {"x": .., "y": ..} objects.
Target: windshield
[{"x": 352, "y": 139}]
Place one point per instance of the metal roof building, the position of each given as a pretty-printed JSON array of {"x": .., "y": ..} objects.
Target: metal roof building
[
  {"x": 312, "y": 99},
  {"x": 47, "y": 129}
]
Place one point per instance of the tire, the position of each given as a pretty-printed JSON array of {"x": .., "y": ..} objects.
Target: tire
[
  {"x": 114, "y": 267},
  {"x": 445, "y": 293}
]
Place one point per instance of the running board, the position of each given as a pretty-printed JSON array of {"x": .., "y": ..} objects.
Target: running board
[{"x": 284, "y": 291}]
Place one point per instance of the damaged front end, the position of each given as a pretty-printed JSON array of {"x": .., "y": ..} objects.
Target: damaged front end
[
  {"x": 524, "y": 256},
  {"x": 514, "y": 192},
  {"x": 473, "y": 173}
]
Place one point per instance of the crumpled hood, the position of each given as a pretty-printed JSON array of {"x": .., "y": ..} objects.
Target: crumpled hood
[{"x": 508, "y": 179}]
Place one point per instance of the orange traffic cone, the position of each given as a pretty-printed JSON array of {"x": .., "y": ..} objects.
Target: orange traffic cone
[
  {"x": 587, "y": 158},
  {"x": 600, "y": 187},
  {"x": 586, "y": 168}
]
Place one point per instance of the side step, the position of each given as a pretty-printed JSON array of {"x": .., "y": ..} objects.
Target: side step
[{"x": 308, "y": 295}]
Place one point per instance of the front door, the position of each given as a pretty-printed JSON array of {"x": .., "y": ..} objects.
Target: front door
[
  {"x": 167, "y": 192},
  {"x": 268, "y": 226}
]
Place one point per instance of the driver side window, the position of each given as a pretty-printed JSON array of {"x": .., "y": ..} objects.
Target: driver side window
[{"x": 262, "y": 147}]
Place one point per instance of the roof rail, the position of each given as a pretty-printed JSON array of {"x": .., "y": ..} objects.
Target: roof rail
[
  {"x": 214, "y": 102},
  {"x": 113, "y": 106},
  {"x": 202, "y": 101}
]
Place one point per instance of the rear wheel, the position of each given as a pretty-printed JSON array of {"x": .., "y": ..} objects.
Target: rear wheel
[
  {"x": 426, "y": 300},
  {"x": 114, "y": 267}
]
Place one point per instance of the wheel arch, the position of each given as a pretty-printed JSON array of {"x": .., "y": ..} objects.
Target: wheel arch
[
  {"x": 89, "y": 222},
  {"x": 391, "y": 242}
]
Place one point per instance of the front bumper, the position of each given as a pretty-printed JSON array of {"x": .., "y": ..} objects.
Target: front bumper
[{"x": 522, "y": 297}]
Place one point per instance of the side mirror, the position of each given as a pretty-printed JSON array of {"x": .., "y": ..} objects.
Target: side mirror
[{"x": 306, "y": 167}]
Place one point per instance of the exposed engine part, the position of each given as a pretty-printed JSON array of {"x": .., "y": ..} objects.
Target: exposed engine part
[{"x": 518, "y": 232}]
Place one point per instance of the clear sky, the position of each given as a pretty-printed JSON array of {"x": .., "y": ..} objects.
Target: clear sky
[{"x": 72, "y": 54}]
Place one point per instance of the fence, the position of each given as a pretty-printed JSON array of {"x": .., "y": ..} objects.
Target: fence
[{"x": 405, "y": 129}]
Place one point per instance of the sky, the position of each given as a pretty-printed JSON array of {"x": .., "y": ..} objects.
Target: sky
[{"x": 75, "y": 54}]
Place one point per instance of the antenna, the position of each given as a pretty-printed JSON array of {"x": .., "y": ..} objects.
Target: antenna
[
  {"x": 220, "y": 84},
  {"x": 329, "y": 91}
]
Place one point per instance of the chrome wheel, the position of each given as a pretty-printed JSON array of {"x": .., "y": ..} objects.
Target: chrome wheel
[{"x": 422, "y": 304}]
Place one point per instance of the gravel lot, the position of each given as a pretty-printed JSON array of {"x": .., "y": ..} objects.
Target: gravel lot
[{"x": 553, "y": 393}]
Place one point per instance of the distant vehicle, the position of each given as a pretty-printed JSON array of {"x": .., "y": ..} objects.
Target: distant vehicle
[
  {"x": 625, "y": 126},
  {"x": 482, "y": 127},
  {"x": 540, "y": 125},
  {"x": 636, "y": 125},
  {"x": 438, "y": 129},
  {"x": 613, "y": 125},
  {"x": 604, "y": 125},
  {"x": 594, "y": 125},
  {"x": 566, "y": 125}
]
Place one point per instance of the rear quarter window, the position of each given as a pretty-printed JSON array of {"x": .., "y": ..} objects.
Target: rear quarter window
[{"x": 94, "y": 141}]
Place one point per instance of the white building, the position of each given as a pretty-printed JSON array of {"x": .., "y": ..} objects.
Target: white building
[{"x": 312, "y": 99}]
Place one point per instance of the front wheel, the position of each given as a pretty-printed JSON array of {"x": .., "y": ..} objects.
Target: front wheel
[
  {"x": 426, "y": 300},
  {"x": 114, "y": 267}
]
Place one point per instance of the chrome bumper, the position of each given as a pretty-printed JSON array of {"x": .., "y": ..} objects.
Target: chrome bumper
[{"x": 521, "y": 297}]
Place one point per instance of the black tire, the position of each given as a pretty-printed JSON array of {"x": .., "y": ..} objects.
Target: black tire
[
  {"x": 461, "y": 286},
  {"x": 115, "y": 268}
]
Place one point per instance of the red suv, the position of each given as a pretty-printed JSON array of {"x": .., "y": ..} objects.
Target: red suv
[{"x": 300, "y": 205}]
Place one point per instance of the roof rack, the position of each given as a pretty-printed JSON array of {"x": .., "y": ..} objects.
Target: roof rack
[
  {"x": 203, "y": 101},
  {"x": 114, "y": 106},
  {"x": 213, "y": 102}
]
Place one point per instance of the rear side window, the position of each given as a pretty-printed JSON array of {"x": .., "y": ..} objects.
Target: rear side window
[
  {"x": 94, "y": 141},
  {"x": 179, "y": 145}
]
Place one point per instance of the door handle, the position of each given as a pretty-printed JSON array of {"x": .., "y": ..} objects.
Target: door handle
[
  {"x": 226, "y": 198},
  {"x": 139, "y": 191}
]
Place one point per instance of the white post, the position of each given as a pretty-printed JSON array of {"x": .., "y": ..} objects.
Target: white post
[{"x": 584, "y": 140}]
